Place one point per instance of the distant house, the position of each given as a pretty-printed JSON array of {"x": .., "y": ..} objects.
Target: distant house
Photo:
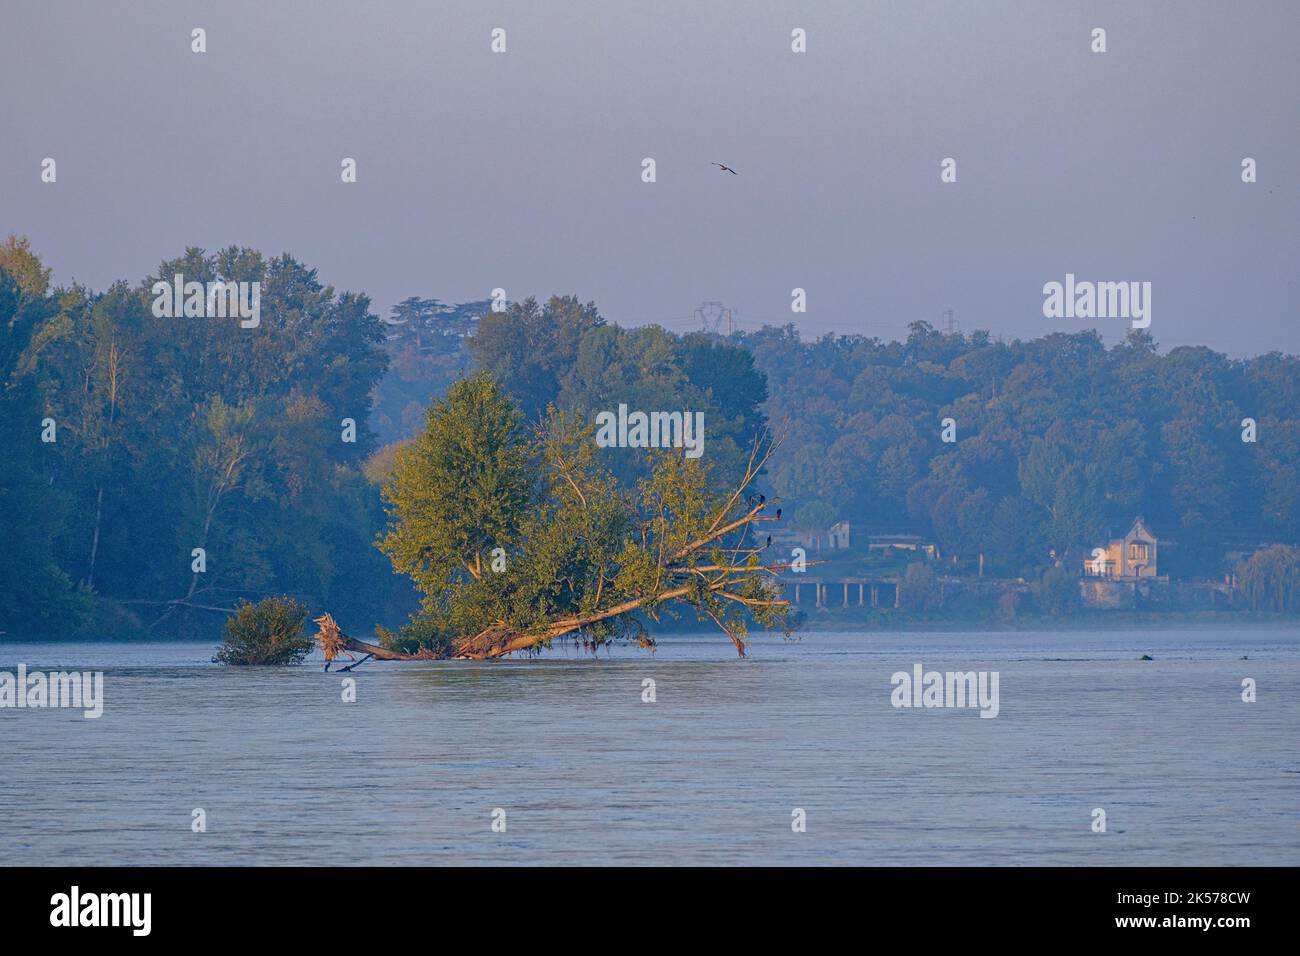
[
  {"x": 839, "y": 536},
  {"x": 1130, "y": 557},
  {"x": 903, "y": 542}
]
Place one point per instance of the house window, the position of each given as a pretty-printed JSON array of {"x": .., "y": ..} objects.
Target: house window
[{"x": 1137, "y": 552}]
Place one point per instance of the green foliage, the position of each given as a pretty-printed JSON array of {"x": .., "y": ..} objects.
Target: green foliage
[
  {"x": 1009, "y": 607},
  {"x": 423, "y": 632},
  {"x": 426, "y": 344},
  {"x": 24, "y": 267},
  {"x": 189, "y": 432},
  {"x": 37, "y": 596},
  {"x": 920, "y": 590},
  {"x": 1061, "y": 442},
  {"x": 460, "y": 489},
  {"x": 564, "y": 354},
  {"x": 531, "y": 349},
  {"x": 813, "y": 517},
  {"x": 1270, "y": 579},
  {"x": 1058, "y": 592},
  {"x": 270, "y": 632},
  {"x": 178, "y": 433},
  {"x": 521, "y": 532}
]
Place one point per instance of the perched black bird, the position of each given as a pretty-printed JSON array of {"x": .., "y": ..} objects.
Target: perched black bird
[
  {"x": 762, "y": 499},
  {"x": 778, "y": 512},
  {"x": 769, "y": 542},
  {"x": 726, "y": 169}
]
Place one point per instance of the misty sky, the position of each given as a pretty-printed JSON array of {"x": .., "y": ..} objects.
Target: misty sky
[{"x": 523, "y": 170}]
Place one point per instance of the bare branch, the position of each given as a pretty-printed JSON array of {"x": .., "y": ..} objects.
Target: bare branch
[{"x": 740, "y": 644}]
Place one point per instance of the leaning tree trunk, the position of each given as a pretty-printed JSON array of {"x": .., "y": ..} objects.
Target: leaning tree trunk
[
  {"x": 333, "y": 642},
  {"x": 499, "y": 639}
]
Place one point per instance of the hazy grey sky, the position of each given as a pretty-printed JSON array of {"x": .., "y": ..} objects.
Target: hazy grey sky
[{"x": 523, "y": 170}]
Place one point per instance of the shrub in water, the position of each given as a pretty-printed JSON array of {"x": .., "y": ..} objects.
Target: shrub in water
[{"x": 272, "y": 631}]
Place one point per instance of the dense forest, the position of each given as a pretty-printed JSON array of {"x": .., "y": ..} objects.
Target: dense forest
[
  {"x": 1060, "y": 442},
  {"x": 157, "y": 470},
  {"x": 131, "y": 441}
]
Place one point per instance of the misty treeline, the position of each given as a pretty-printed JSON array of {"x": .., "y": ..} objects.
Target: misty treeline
[
  {"x": 172, "y": 435},
  {"x": 176, "y": 434},
  {"x": 1060, "y": 443}
]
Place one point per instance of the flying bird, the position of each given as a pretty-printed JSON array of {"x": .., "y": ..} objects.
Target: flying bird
[{"x": 726, "y": 169}]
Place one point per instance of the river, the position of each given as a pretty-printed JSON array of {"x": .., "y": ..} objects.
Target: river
[{"x": 713, "y": 771}]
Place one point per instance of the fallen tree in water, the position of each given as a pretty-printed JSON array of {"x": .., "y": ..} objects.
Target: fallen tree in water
[
  {"x": 517, "y": 539},
  {"x": 333, "y": 642}
]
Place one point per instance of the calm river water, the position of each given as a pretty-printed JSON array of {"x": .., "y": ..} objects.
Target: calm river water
[{"x": 709, "y": 773}]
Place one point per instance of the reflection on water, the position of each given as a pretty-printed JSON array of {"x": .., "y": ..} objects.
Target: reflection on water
[{"x": 709, "y": 773}]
